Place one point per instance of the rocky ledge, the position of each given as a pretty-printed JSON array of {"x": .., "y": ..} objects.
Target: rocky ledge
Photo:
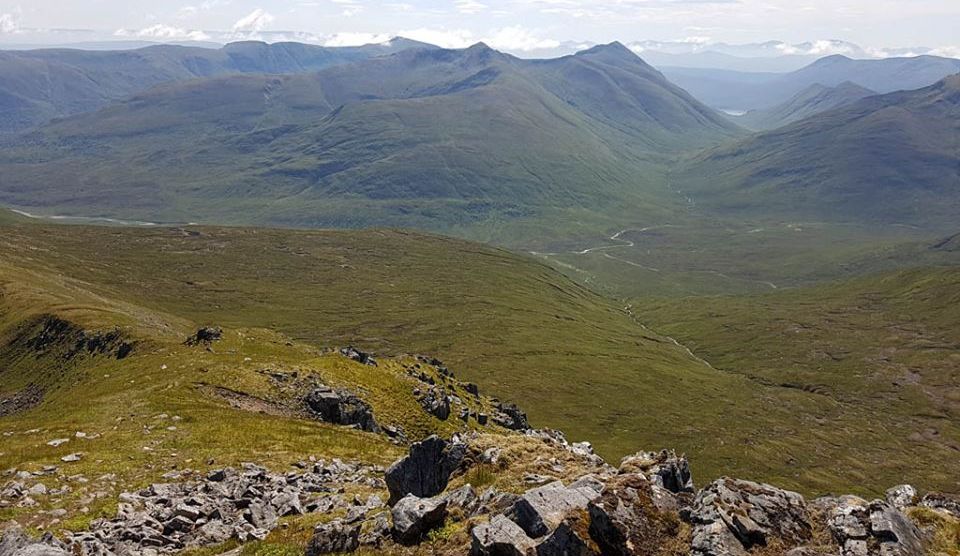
[{"x": 648, "y": 505}]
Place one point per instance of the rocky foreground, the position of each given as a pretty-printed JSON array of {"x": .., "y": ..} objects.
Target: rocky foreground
[{"x": 424, "y": 503}]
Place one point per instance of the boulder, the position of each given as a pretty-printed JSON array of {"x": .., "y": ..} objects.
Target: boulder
[
  {"x": 355, "y": 354},
  {"x": 624, "y": 520},
  {"x": 901, "y": 496},
  {"x": 436, "y": 403},
  {"x": 335, "y": 537},
  {"x": 872, "y": 529},
  {"x": 426, "y": 471},
  {"x": 341, "y": 407},
  {"x": 464, "y": 499},
  {"x": 540, "y": 510},
  {"x": 499, "y": 537},
  {"x": 663, "y": 468},
  {"x": 205, "y": 336},
  {"x": 731, "y": 516},
  {"x": 509, "y": 416},
  {"x": 414, "y": 517}
]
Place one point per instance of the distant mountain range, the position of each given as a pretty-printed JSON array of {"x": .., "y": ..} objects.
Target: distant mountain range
[
  {"x": 39, "y": 85},
  {"x": 729, "y": 90},
  {"x": 424, "y": 137},
  {"x": 891, "y": 159}
]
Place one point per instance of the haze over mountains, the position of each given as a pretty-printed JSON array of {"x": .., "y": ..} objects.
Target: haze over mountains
[
  {"x": 426, "y": 136},
  {"x": 891, "y": 158}
]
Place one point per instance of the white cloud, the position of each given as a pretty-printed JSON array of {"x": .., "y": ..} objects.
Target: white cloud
[
  {"x": 9, "y": 23},
  {"x": 517, "y": 38},
  {"x": 446, "y": 38},
  {"x": 163, "y": 33},
  {"x": 947, "y": 51},
  {"x": 470, "y": 6},
  {"x": 255, "y": 21}
]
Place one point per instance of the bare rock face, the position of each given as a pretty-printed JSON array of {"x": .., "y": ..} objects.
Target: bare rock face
[
  {"x": 875, "y": 528},
  {"x": 414, "y": 517},
  {"x": 624, "y": 521},
  {"x": 731, "y": 516},
  {"x": 499, "y": 537},
  {"x": 664, "y": 468},
  {"x": 426, "y": 471},
  {"x": 341, "y": 407}
]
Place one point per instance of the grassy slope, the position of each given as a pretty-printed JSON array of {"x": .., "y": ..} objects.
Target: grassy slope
[
  {"x": 880, "y": 352},
  {"x": 521, "y": 330}
]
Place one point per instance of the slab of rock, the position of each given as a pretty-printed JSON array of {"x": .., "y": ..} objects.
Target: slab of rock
[
  {"x": 414, "y": 517},
  {"x": 542, "y": 509},
  {"x": 731, "y": 516},
  {"x": 341, "y": 407},
  {"x": 499, "y": 537},
  {"x": 205, "y": 336},
  {"x": 664, "y": 468},
  {"x": 335, "y": 537},
  {"x": 15, "y": 542},
  {"x": 426, "y": 471},
  {"x": 625, "y": 522},
  {"x": 355, "y": 354}
]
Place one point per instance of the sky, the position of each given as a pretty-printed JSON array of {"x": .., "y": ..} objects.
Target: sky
[{"x": 516, "y": 25}]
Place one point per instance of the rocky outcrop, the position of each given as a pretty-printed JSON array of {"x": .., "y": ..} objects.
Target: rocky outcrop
[
  {"x": 242, "y": 504},
  {"x": 539, "y": 511},
  {"x": 663, "y": 468},
  {"x": 15, "y": 542},
  {"x": 426, "y": 471},
  {"x": 435, "y": 402},
  {"x": 901, "y": 496},
  {"x": 947, "y": 503},
  {"x": 413, "y": 517},
  {"x": 875, "y": 528},
  {"x": 341, "y": 407},
  {"x": 361, "y": 357},
  {"x": 625, "y": 520},
  {"x": 509, "y": 416},
  {"x": 205, "y": 336},
  {"x": 731, "y": 516},
  {"x": 335, "y": 537},
  {"x": 499, "y": 537}
]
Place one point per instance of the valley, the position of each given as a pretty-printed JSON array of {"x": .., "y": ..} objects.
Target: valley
[{"x": 288, "y": 269}]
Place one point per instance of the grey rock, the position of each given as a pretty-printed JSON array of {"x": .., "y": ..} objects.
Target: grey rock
[
  {"x": 334, "y": 537},
  {"x": 499, "y": 537},
  {"x": 540, "y": 510},
  {"x": 413, "y": 517},
  {"x": 871, "y": 529},
  {"x": 426, "y": 471},
  {"x": 205, "y": 336},
  {"x": 511, "y": 417},
  {"x": 664, "y": 468},
  {"x": 341, "y": 407},
  {"x": 753, "y": 514},
  {"x": 901, "y": 496},
  {"x": 464, "y": 499},
  {"x": 355, "y": 354},
  {"x": 566, "y": 540},
  {"x": 624, "y": 520}
]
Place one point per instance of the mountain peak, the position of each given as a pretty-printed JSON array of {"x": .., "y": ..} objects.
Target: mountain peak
[{"x": 615, "y": 48}]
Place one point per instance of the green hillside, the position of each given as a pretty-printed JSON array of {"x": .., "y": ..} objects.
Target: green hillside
[
  {"x": 434, "y": 139},
  {"x": 808, "y": 102},
  {"x": 572, "y": 359},
  {"x": 884, "y": 160},
  {"x": 880, "y": 351}
]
